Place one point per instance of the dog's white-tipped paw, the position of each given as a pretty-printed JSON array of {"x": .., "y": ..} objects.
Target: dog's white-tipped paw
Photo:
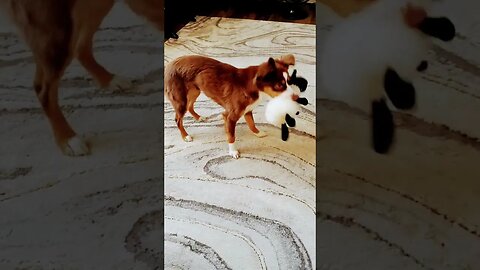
[
  {"x": 75, "y": 147},
  {"x": 261, "y": 134},
  {"x": 232, "y": 151},
  {"x": 188, "y": 138},
  {"x": 120, "y": 83},
  {"x": 234, "y": 154}
]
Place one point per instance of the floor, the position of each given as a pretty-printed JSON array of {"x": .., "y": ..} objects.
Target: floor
[
  {"x": 257, "y": 212},
  {"x": 97, "y": 212},
  {"x": 416, "y": 208}
]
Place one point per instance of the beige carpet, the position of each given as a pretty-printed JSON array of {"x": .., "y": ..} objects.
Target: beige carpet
[
  {"x": 257, "y": 212},
  {"x": 416, "y": 208},
  {"x": 95, "y": 212}
]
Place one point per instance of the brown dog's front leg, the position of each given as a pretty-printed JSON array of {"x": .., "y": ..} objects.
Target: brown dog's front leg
[
  {"x": 88, "y": 15},
  {"x": 230, "y": 123},
  {"x": 46, "y": 88},
  {"x": 251, "y": 125}
]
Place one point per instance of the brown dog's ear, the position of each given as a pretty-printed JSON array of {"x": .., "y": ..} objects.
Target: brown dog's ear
[
  {"x": 271, "y": 63},
  {"x": 288, "y": 59}
]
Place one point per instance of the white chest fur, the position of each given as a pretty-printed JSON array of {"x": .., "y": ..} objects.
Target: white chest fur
[{"x": 257, "y": 102}]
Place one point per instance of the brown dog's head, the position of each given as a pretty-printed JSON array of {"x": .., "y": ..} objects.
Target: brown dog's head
[{"x": 270, "y": 75}]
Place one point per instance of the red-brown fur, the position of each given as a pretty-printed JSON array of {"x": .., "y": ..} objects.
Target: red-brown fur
[
  {"x": 58, "y": 31},
  {"x": 232, "y": 88}
]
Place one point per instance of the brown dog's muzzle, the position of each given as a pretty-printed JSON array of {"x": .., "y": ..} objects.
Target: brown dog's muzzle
[{"x": 272, "y": 93}]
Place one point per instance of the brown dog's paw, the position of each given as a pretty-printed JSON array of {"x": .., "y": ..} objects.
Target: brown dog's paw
[
  {"x": 232, "y": 151},
  {"x": 261, "y": 134},
  {"x": 119, "y": 83},
  {"x": 234, "y": 154},
  {"x": 201, "y": 119},
  {"x": 75, "y": 147}
]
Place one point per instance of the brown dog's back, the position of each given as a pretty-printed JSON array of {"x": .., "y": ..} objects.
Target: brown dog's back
[{"x": 217, "y": 80}]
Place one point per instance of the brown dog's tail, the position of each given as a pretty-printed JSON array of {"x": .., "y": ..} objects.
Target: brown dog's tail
[
  {"x": 175, "y": 89},
  {"x": 173, "y": 79},
  {"x": 152, "y": 10},
  {"x": 169, "y": 76}
]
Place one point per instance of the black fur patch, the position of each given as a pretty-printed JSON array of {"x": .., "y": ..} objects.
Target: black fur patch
[
  {"x": 422, "y": 66},
  {"x": 400, "y": 92},
  {"x": 290, "y": 120},
  {"x": 300, "y": 82},
  {"x": 382, "y": 127},
  {"x": 302, "y": 101},
  {"x": 284, "y": 132},
  {"x": 441, "y": 28}
]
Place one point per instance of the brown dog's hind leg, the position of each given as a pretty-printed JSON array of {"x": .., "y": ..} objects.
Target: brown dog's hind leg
[
  {"x": 251, "y": 125},
  {"x": 88, "y": 16},
  {"x": 180, "y": 111},
  {"x": 47, "y": 78},
  {"x": 192, "y": 96},
  {"x": 47, "y": 28},
  {"x": 177, "y": 93}
]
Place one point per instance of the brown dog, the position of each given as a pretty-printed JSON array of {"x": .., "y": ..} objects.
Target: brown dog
[
  {"x": 237, "y": 90},
  {"x": 59, "y": 30}
]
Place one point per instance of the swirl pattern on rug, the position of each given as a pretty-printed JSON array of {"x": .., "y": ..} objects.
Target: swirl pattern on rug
[{"x": 257, "y": 212}]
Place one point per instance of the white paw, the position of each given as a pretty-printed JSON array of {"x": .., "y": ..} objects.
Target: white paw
[
  {"x": 75, "y": 147},
  {"x": 232, "y": 151},
  {"x": 234, "y": 154},
  {"x": 188, "y": 138},
  {"x": 120, "y": 83},
  {"x": 260, "y": 134}
]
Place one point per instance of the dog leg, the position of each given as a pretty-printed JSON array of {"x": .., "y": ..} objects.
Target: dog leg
[
  {"x": 180, "y": 113},
  {"x": 48, "y": 33},
  {"x": 87, "y": 16},
  {"x": 251, "y": 125},
  {"x": 230, "y": 123},
  {"x": 183, "y": 132},
  {"x": 46, "y": 87},
  {"x": 192, "y": 97}
]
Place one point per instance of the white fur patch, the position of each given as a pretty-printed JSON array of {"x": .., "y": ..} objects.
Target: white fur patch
[
  {"x": 261, "y": 97},
  {"x": 232, "y": 151},
  {"x": 358, "y": 51},
  {"x": 279, "y": 106},
  {"x": 76, "y": 146}
]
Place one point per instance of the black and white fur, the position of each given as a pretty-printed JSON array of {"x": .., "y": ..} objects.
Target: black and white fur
[
  {"x": 374, "y": 56},
  {"x": 280, "y": 111}
]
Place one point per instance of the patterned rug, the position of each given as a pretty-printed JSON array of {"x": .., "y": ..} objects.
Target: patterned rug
[
  {"x": 257, "y": 212},
  {"x": 416, "y": 208},
  {"x": 87, "y": 212}
]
